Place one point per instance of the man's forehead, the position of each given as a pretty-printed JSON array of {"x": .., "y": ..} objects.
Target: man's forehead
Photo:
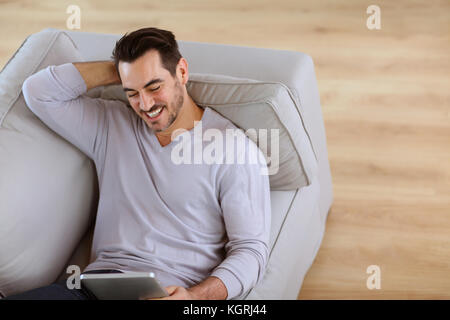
[{"x": 144, "y": 69}]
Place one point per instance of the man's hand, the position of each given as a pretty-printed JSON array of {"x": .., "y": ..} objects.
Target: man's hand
[
  {"x": 178, "y": 293},
  {"x": 210, "y": 289}
]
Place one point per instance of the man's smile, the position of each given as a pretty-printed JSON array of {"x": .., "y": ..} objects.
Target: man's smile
[{"x": 154, "y": 113}]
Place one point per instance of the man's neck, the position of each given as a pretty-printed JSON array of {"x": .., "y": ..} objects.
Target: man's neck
[{"x": 189, "y": 113}]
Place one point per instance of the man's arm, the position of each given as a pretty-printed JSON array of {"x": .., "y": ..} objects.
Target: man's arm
[
  {"x": 210, "y": 289},
  {"x": 244, "y": 194},
  {"x": 56, "y": 95},
  {"x": 245, "y": 202},
  {"x": 98, "y": 73}
]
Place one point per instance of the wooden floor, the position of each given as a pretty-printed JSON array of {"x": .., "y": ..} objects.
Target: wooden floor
[{"x": 386, "y": 104}]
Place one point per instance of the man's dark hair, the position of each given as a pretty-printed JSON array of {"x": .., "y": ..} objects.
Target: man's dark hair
[{"x": 134, "y": 45}]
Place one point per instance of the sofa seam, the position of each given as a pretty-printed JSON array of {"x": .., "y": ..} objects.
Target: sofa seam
[{"x": 288, "y": 211}]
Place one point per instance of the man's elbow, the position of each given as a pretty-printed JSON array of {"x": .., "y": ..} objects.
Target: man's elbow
[
  {"x": 260, "y": 253},
  {"x": 263, "y": 263},
  {"x": 38, "y": 94},
  {"x": 30, "y": 91}
]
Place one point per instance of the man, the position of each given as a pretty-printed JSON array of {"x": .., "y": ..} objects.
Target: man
[{"x": 203, "y": 229}]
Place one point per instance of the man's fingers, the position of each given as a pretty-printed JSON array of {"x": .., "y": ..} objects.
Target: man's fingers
[{"x": 171, "y": 289}]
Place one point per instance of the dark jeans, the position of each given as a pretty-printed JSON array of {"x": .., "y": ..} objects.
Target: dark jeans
[{"x": 59, "y": 291}]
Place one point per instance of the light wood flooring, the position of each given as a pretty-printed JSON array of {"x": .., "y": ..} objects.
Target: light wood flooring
[{"x": 386, "y": 104}]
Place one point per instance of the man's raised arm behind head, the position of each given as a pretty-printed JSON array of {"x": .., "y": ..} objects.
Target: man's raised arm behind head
[
  {"x": 98, "y": 73},
  {"x": 56, "y": 96}
]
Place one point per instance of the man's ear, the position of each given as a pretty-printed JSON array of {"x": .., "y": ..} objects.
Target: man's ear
[{"x": 182, "y": 68}]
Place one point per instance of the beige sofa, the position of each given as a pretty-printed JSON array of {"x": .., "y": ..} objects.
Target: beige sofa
[{"x": 48, "y": 187}]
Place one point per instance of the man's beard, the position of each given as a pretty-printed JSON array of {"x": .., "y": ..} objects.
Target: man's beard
[{"x": 176, "y": 107}]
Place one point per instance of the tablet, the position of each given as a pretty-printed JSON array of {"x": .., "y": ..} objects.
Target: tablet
[{"x": 124, "y": 286}]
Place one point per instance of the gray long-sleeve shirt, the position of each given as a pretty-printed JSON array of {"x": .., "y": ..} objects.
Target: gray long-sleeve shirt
[{"x": 184, "y": 222}]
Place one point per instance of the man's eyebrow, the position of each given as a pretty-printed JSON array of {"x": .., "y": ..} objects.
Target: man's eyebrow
[{"x": 158, "y": 80}]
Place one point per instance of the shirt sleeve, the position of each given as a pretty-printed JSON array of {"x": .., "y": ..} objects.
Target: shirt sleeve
[
  {"x": 55, "y": 95},
  {"x": 245, "y": 202}
]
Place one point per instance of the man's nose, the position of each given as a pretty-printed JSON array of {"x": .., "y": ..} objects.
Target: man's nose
[{"x": 146, "y": 102}]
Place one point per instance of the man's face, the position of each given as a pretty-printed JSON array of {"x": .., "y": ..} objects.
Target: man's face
[{"x": 150, "y": 88}]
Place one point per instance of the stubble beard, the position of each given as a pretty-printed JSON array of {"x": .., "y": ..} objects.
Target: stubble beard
[{"x": 176, "y": 107}]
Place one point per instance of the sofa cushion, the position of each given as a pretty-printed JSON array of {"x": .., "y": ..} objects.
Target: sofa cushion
[
  {"x": 265, "y": 111},
  {"x": 47, "y": 186}
]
